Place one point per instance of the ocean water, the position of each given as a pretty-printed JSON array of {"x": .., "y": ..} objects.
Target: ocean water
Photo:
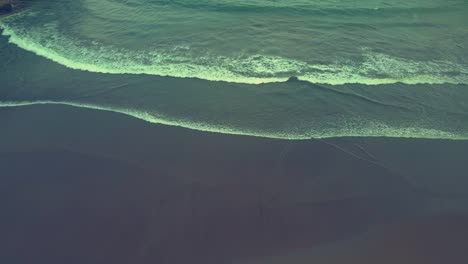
[{"x": 363, "y": 68}]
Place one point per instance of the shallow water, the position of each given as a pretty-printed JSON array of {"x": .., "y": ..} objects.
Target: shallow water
[
  {"x": 368, "y": 68},
  {"x": 262, "y": 41}
]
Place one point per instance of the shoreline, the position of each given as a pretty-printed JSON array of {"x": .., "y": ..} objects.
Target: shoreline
[
  {"x": 59, "y": 124},
  {"x": 207, "y": 128},
  {"x": 182, "y": 193},
  {"x": 142, "y": 167}
]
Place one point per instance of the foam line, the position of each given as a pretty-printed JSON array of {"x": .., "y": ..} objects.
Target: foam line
[
  {"x": 371, "y": 129},
  {"x": 254, "y": 69}
]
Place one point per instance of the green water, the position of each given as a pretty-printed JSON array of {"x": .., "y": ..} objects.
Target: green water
[{"x": 367, "y": 68}]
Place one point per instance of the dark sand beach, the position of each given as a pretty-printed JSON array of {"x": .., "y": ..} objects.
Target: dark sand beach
[{"x": 127, "y": 191}]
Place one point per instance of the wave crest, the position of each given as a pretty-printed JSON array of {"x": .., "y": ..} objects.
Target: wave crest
[{"x": 373, "y": 69}]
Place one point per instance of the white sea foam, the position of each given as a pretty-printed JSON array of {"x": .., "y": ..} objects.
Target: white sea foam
[
  {"x": 347, "y": 128},
  {"x": 374, "y": 69}
]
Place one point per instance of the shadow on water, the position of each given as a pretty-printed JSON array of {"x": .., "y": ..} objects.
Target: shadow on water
[{"x": 9, "y": 7}]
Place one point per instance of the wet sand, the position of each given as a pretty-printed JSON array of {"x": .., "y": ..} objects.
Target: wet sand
[{"x": 85, "y": 186}]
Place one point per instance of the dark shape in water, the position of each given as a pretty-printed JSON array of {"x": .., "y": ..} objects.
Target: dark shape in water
[
  {"x": 12, "y": 6},
  {"x": 6, "y": 8},
  {"x": 293, "y": 79}
]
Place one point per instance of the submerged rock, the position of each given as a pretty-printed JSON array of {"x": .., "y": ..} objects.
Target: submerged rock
[
  {"x": 6, "y": 8},
  {"x": 11, "y": 6},
  {"x": 293, "y": 79}
]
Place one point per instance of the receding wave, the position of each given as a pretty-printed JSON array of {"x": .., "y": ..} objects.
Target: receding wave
[
  {"x": 293, "y": 110},
  {"x": 365, "y": 129},
  {"x": 397, "y": 76},
  {"x": 374, "y": 68}
]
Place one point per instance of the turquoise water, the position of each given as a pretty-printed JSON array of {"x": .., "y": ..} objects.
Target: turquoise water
[
  {"x": 366, "y": 68},
  {"x": 332, "y": 42}
]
